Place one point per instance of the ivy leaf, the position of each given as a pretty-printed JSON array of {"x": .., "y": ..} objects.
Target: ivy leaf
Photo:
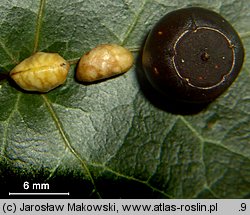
[{"x": 115, "y": 138}]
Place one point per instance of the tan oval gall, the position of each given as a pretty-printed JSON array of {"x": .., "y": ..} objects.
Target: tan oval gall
[
  {"x": 41, "y": 72},
  {"x": 104, "y": 61}
]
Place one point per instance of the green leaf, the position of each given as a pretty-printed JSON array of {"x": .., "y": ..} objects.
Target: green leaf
[{"x": 115, "y": 138}]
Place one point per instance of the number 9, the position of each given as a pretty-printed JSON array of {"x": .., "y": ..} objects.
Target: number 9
[{"x": 243, "y": 206}]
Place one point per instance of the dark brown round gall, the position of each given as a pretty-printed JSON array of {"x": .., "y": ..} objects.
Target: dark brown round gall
[{"x": 192, "y": 55}]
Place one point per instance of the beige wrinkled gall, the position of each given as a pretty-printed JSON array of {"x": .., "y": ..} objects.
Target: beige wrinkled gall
[
  {"x": 41, "y": 72},
  {"x": 104, "y": 61}
]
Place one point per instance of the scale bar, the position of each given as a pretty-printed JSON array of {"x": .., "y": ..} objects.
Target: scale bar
[{"x": 38, "y": 194}]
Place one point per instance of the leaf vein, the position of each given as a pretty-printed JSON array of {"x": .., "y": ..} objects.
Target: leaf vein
[
  {"x": 3, "y": 148},
  {"x": 39, "y": 24},
  {"x": 14, "y": 60},
  {"x": 67, "y": 143},
  {"x": 56, "y": 167},
  {"x": 191, "y": 128},
  {"x": 131, "y": 178},
  {"x": 161, "y": 148},
  {"x": 217, "y": 143},
  {"x": 133, "y": 24},
  {"x": 244, "y": 35}
]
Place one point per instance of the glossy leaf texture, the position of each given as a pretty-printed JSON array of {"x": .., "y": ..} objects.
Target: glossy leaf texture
[{"x": 117, "y": 138}]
